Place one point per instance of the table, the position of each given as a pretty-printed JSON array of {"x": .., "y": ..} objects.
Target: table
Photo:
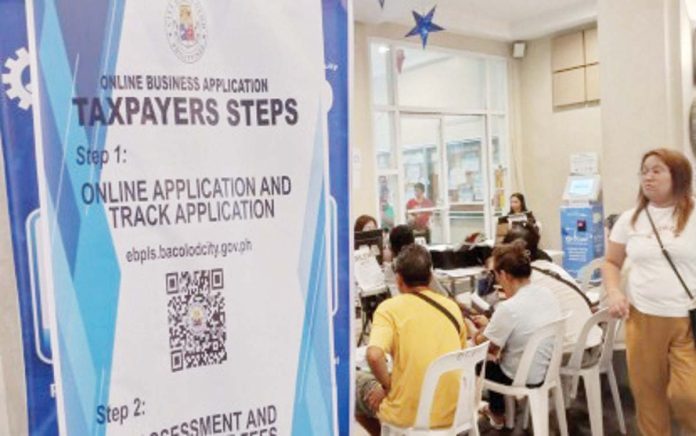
[{"x": 453, "y": 276}]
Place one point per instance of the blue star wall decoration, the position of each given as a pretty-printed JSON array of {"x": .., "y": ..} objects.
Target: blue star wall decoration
[{"x": 424, "y": 26}]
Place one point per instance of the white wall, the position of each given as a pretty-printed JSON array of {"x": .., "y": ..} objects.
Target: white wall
[
  {"x": 687, "y": 14},
  {"x": 423, "y": 85},
  {"x": 549, "y": 137},
  {"x": 4, "y": 416},
  {"x": 644, "y": 91}
]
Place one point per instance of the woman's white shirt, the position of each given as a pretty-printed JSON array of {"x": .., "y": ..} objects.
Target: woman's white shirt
[
  {"x": 514, "y": 322},
  {"x": 653, "y": 287},
  {"x": 573, "y": 303}
]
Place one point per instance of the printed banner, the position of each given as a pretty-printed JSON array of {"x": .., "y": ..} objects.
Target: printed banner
[
  {"x": 16, "y": 121},
  {"x": 191, "y": 236}
]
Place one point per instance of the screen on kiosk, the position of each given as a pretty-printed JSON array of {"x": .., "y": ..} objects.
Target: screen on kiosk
[{"x": 581, "y": 188}]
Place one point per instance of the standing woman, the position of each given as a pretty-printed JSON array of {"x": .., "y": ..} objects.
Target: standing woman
[{"x": 659, "y": 340}]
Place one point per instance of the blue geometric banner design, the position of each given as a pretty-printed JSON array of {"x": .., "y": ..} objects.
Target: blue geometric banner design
[{"x": 17, "y": 130}]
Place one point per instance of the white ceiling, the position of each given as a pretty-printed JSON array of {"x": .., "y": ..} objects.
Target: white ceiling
[{"x": 507, "y": 20}]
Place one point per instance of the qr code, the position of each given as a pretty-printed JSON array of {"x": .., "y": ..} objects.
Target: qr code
[{"x": 196, "y": 310}]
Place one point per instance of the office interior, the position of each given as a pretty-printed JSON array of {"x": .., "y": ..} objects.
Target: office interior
[
  {"x": 510, "y": 121},
  {"x": 498, "y": 102}
]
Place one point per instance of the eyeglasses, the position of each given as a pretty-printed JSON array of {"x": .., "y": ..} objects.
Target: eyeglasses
[{"x": 655, "y": 171}]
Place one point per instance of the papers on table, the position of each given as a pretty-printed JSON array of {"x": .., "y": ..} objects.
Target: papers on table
[
  {"x": 460, "y": 273},
  {"x": 368, "y": 273}
]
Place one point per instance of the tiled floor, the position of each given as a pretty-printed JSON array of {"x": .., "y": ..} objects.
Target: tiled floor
[{"x": 578, "y": 419}]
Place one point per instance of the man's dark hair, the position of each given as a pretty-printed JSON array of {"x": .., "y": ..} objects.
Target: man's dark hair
[
  {"x": 399, "y": 237},
  {"x": 414, "y": 265},
  {"x": 419, "y": 186}
]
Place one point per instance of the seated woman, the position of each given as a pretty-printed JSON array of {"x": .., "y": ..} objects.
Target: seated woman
[
  {"x": 553, "y": 277},
  {"x": 514, "y": 322},
  {"x": 365, "y": 223},
  {"x": 369, "y": 303},
  {"x": 518, "y": 206}
]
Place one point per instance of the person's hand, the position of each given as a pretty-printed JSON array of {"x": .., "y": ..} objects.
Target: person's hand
[
  {"x": 493, "y": 357},
  {"x": 480, "y": 321},
  {"x": 618, "y": 304},
  {"x": 375, "y": 397},
  {"x": 387, "y": 255}
]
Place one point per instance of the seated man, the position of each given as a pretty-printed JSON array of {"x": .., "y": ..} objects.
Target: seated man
[
  {"x": 415, "y": 333},
  {"x": 400, "y": 237}
]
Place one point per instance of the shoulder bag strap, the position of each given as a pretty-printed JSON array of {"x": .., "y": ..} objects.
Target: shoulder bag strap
[
  {"x": 439, "y": 307},
  {"x": 573, "y": 286},
  {"x": 666, "y": 254}
]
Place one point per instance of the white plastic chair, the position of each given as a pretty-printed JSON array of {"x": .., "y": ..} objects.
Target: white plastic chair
[
  {"x": 539, "y": 396},
  {"x": 590, "y": 372},
  {"x": 596, "y": 293},
  {"x": 593, "y": 292},
  {"x": 466, "y": 412}
]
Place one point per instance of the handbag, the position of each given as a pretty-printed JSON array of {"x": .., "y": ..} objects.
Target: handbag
[{"x": 692, "y": 308}]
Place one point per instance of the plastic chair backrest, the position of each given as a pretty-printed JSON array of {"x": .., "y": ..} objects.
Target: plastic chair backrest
[
  {"x": 612, "y": 328},
  {"x": 469, "y": 384},
  {"x": 608, "y": 323},
  {"x": 586, "y": 272},
  {"x": 553, "y": 330}
]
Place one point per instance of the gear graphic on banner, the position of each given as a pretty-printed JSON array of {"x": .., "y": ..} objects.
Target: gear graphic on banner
[{"x": 17, "y": 90}]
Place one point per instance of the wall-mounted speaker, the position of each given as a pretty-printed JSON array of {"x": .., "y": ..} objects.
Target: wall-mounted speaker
[{"x": 518, "y": 49}]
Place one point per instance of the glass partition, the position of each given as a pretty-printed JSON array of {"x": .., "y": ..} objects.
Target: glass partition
[{"x": 440, "y": 126}]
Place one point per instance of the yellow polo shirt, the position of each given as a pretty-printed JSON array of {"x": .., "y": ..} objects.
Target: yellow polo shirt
[{"x": 415, "y": 333}]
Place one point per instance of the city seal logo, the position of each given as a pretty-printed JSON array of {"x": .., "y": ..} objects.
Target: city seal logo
[{"x": 186, "y": 27}]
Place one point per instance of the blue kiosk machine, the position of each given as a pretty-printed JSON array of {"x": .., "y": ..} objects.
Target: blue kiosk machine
[{"x": 582, "y": 222}]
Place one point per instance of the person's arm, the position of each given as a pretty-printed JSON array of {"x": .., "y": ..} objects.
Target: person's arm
[
  {"x": 611, "y": 276},
  {"x": 381, "y": 343},
  {"x": 377, "y": 361},
  {"x": 479, "y": 338}
]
